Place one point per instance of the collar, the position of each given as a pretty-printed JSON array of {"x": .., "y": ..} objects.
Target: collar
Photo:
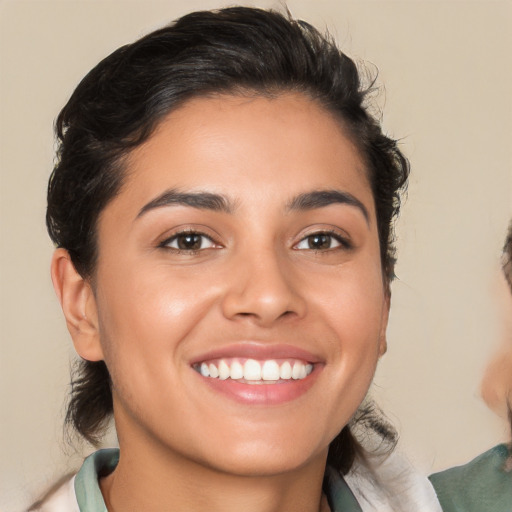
[
  {"x": 103, "y": 462},
  {"x": 87, "y": 488}
]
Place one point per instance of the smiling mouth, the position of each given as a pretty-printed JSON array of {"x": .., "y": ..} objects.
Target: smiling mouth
[{"x": 252, "y": 371}]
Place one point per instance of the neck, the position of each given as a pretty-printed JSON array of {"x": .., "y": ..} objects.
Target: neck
[{"x": 154, "y": 480}]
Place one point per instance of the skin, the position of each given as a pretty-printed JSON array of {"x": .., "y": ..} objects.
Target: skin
[
  {"x": 255, "y": 282},
  {"x": 497, "y": 381}
]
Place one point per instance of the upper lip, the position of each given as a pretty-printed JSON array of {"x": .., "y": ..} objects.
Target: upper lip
[{"x": 258, "y": 351}]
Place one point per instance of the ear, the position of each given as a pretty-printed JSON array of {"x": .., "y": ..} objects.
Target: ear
[
  {"x": 78, "y": 305},
  {"x": 383, "y": 342}
]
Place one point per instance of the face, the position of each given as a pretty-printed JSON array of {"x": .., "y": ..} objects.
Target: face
[
  {"x": 239, "y": 294},
  {"x": 497, "y": 381}
]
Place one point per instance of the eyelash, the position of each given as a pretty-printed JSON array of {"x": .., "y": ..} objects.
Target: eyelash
[
  {"x": 166, "y": 244},
  {"x": 344, "y": 243}
]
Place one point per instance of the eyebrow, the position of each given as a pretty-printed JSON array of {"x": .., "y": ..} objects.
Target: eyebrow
[
  {"x": 199, "y": 200},
  {"x": 220, "y": 203},
  {"x": 322, "y": 198}
]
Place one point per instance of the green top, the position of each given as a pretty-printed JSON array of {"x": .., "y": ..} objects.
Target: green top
[
  {"x": 87, "y": 488},
  {"x": 103, "y": 462},
  {"x": 482, "y": 485}
]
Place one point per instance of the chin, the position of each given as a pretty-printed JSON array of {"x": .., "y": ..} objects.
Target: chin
[
  {"x": 266, "y": 465},
  {"x": 267, "y": 457}
]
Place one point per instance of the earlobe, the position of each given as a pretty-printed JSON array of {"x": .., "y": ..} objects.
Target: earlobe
[
  {"x": 383, "y": 342},
  {"x": 78, "y": 305},
  {"x": 383, "y": 345}
]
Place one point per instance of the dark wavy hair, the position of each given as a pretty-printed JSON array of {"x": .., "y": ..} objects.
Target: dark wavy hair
[{"x": 117, "y": 106}]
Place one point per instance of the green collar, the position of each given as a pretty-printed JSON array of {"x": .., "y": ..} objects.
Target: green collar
[{"x": 87, "y": 489}]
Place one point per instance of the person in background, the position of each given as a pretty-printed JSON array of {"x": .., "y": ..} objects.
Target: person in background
[{"x": 485, "y": 483}]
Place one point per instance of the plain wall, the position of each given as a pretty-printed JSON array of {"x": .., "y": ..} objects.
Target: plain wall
[{"x": 446, "y": 70}]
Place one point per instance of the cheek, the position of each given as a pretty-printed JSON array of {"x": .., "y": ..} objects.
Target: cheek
[
  {"x": 354, "y": 309},
  {"x": 144, "y": 316},
  {"x": 355, "y": 306},
  {"x": 496, "y": 384}
]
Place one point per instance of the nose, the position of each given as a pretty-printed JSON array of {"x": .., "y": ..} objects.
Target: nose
[{"x": 263, "y": 288}]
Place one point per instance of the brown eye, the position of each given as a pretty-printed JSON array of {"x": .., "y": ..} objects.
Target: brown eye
[
  {"x": 189, "y": 241},
  {"x": 322, "y": 242},
  {"x": 319, "y": 241}
]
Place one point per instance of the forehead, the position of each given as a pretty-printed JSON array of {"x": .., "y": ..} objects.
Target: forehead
[{"x": 229, "y": 144}]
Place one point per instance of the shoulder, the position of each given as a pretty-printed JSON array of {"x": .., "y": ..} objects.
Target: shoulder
[
  {"x": 62, "y": 499},
  {"x": 391, "y": 484},
  {"x": 81, "y": 493},
  {"x": 482, "y": 484}
]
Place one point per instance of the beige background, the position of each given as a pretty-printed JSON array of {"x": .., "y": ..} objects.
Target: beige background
[{"x": 447, "y": 71}]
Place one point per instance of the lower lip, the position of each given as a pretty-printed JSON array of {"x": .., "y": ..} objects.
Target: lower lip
[{"x": 262, "y": 394}]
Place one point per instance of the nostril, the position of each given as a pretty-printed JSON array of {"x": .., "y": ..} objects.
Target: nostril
[{"x": 282, "y": 315}]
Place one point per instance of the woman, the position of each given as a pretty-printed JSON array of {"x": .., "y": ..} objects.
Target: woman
[
  {"x": 222, "y": 208},
  {"x": 485, "y": 483}
]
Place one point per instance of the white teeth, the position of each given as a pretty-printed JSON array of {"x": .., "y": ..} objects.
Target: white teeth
[
  {"x": 237, "y": 370},
  {"x": 223, "y": 370},
  {"x": 205, "y": 372},
  {"x": 252, "y": 370},
  {"x": 270, "y": 370},
  {"x": 296, "y": 370},
  {"x": 213, "y": 370},
  {"x": 286, "y": 371}
]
